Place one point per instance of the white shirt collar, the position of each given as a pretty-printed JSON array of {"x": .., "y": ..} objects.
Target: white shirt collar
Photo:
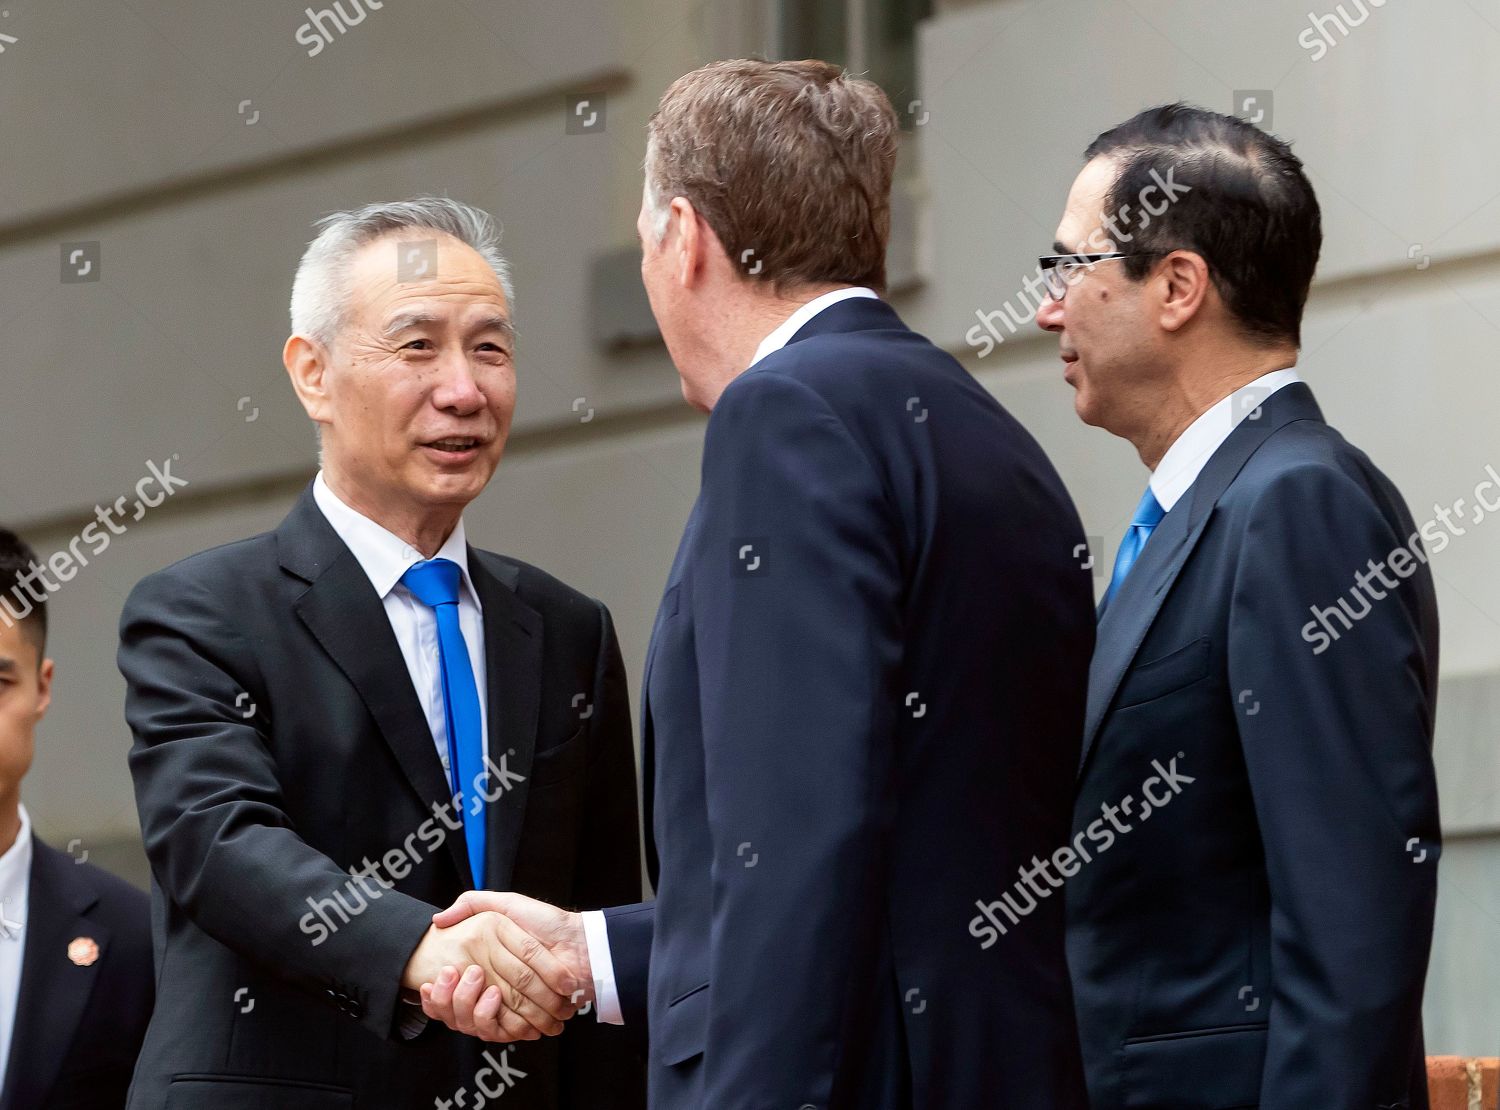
[
  {"x": 1189, "y": 454},
  {"x": 384, "y": 555},
  {"x": 15, "y": 875},
  {"x": 793, "y": 323}
]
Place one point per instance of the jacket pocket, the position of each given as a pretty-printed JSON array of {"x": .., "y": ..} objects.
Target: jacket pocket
[
  {"x": 247, "y": 1092},
  {"x": 683, "y": 1029},
  {"x": 561, "y": 761},
  {"x": 1198, "y": 1069},
  {"x": 671, "y": 601},
  {"x": 1165, "y": 674}
]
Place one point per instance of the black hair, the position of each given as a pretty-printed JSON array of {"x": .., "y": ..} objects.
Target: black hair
[
  {"x": 1245, "y": 205},
  {"x": 17, "y": 604}
]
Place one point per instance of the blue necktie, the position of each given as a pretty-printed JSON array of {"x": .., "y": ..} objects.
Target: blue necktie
[
  {"x": 1148, "y": 515},
  {"x": 434, "y": 582}
]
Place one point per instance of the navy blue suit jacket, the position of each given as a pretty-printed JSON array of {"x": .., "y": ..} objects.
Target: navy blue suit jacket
[
  {"x": 81, "y": 1015},
  {"x": 862, "y": 710},
  {"x": 1252, "y": 927}
]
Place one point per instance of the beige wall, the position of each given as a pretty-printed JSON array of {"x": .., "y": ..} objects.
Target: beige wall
[{"x": 122, "y": 123}]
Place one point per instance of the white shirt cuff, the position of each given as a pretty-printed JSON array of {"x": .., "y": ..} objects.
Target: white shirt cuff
[{"x": 606, "y": 997}]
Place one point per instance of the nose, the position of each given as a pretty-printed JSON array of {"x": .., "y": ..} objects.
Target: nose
[
  {"x": 457, "y": 389},
  {"x": 1049, "y": 314}
]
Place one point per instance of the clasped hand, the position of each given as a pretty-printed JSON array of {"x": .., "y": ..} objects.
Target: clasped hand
[{"x": 502, "y": 967}]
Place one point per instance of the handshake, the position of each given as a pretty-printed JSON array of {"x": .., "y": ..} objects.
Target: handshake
[{"x": 501, "y": 967}]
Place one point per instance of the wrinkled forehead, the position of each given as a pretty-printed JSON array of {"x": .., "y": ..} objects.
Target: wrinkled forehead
[
  {"x": 410, "y": 266},
  {"x": 1083, "y": 215}
]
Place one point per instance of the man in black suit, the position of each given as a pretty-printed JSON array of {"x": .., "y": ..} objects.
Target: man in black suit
[
  {"x": 1257, "y": 823},
  {"x": 342, "y": 724},
  {"x": 865, "y": 687},
  {"x": 75, "y": 942}
]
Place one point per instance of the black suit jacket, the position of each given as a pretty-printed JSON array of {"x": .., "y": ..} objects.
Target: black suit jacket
[
  {"x": 279, "y": 743},
  {"x": 862, "y": 708},
  {"x": 79, "y": 1023},
  {"x": 1252, "y": 927}
]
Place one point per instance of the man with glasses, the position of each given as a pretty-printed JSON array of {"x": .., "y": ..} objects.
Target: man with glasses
[{"x": 1257, "y": 818}]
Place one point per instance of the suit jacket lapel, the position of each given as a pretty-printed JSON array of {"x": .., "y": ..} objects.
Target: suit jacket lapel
[
  {"x": 346, "y": 616},
  {"x": 674, "y": 582},
  {"x": 54, "y": 989},
  {"x": 674, "y": 579},
  {"x": 1129, "y": 615},
  {"x": 513, "y": 680},
  {"x": 1130, "y": 612}
]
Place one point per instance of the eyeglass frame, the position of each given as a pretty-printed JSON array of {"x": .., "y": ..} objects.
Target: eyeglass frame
[{"x": 1057, "y": 283}]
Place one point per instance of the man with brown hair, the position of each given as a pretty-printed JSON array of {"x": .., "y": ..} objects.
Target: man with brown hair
[{"x": 865, "y": 688}]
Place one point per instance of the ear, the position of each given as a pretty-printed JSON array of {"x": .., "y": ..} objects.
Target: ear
[
  {"x": 1184, "y": 284},
  {"x": 306, "y": 362},
  {"x": 695, "y": 240},
  {"x": 44, "y": 688}
]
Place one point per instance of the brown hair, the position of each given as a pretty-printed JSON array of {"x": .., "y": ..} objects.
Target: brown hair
[{"x": 790, "y": 163}]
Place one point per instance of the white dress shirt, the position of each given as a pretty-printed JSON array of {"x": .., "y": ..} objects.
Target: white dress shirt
[
  {"x": 595, "y": 931},
  {"x": 15, "y": 887},
  {"x": 1189, "y": 454},
  {"x": 385, "y": 557}
]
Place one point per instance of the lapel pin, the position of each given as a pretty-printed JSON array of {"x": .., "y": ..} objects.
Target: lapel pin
[{"x": 83, "y": 951}]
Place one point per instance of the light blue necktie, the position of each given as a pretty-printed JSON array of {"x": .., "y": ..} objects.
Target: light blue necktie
[
  {"x": 434, "y": 582},
  {"x": 1148, "y": 515}
]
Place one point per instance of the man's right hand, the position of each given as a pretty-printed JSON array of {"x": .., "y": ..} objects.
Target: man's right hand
[
  {"x": 554, "y": 946},
  {"x": 529, "y": 992}
]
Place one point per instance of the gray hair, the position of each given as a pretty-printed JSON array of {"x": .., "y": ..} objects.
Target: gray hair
[
  {"x": 658, "y": 206},
  {"x": 319, "y": 291}
]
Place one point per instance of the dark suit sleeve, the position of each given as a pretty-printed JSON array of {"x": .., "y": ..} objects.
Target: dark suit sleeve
[
  {"x": 797, "y": 658},
  {"x": 601, "y": 1064},
  {"x": 631, "y": 932},
  {"x": 1337, "y": 747},
  {"x": 221, "y": 845}
]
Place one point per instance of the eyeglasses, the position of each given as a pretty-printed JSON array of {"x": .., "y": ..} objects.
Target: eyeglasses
[{"x": 1060, "y": 270}]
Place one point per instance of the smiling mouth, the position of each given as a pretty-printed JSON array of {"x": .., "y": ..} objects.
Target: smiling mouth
[{"x": 455, "y": 445}]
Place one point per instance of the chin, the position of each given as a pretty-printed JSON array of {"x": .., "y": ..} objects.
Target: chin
[
  {"x": 464, "y": 485},
  {"x": 691, "y": 395},
  {"x": 1086, "y": 410}
]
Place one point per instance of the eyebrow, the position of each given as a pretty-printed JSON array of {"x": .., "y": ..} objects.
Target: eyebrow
[
  {"x": 1058, "y": 248},
  {"x": 405, "y": 320},
  {"x": 498, "y": 323}
]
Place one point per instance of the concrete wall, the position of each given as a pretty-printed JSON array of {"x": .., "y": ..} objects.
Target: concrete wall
[{"x": 195, "y": 143}]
